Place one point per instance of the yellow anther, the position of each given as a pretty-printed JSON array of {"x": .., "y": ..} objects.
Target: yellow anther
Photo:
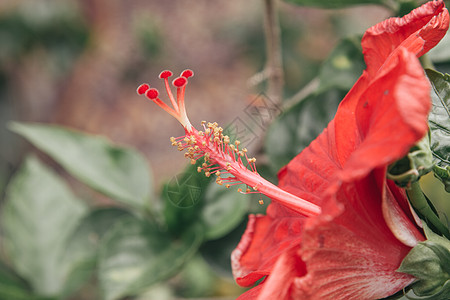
[
  {"x": 247, "y": 190},
  {"x": 226, "y": 139},
  {"x": 203, "y": 143},
  {"x": 218, "y": 173},
  {"x": 255, "y": 188},
  {"x": 207, "y": 174},
  {"x": 244, "y": 150},
  {"x": 203, "y": 122},
  {"x": 200, "y": 133},
  {"x": 219, "y": 182},
  {"x": 204, "y": 165},
  {"x": 241, "y": 153},
  {"x": 186, "y": 139},
  {"x": 172, "y": 139},
  {"x": 237, "y": 143},
  {"x": 216, "y": 140},
  {"x": 229, "y": 169},
  {"x": 174, "y": 143},
  {"x": 199, "y": 169},
  {"x": 196, "y": 148},
  {"x": 193, "y": 161},
  {"x": 239, "y": 190},
  {"x": 232, "y": 147},
  {"x": 261, "y": 202},
  {"x": 227, "y": 186}
]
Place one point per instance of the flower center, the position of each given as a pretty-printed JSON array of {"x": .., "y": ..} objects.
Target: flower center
[{"x": 225, "y": 159}]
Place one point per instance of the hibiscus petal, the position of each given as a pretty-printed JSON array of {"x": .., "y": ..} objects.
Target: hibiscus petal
[
  {"x": 352, "y": 244},
  {"x": 419, "y": 31},
  {"x": 278, "y": 286},
  {"x": 349, "y": 251},
  {"x": 263, "y": 241},
  {"x": 398, "y": 221},
  {"x": 391, "y": 115}
]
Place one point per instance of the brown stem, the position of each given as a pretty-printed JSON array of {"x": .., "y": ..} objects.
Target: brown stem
[{"x": 274, "y": 63}]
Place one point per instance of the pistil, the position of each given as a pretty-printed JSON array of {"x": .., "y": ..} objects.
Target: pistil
[{"x": 221, "y": 157}]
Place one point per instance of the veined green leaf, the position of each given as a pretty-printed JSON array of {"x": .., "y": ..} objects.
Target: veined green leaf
[
  {"x": 82, "y": 248},
  {"x": 120, "y": 173},
  {"x": 38, "y": 216},
  {"x": 135, "y": 255},
  {"x": 439, "y": 122}
]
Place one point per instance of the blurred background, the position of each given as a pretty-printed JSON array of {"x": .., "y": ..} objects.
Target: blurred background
[{"x": 78, "y": 62}]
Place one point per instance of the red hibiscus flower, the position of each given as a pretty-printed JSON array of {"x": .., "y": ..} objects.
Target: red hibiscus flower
[{"x": 352, "y": 249}]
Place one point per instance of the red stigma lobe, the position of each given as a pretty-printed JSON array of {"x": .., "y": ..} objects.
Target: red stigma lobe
[
  {"x": 142, "y": 88},
  {"x": 180, "y": 82},
  {"x": 152, "y": 94},
  {"x": 165, "y": 74},
  {"x": 187, "y": 73}
]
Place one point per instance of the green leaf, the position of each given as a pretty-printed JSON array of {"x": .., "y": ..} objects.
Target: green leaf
[
  {"x": 135, "y": 254},
  {"x": 39, "y": 214},
  {"x": 334, "y": 3},
  {"x": 223, "y": 211},
  {"x": 343, "y": 67},
  {"x": 184, "y": 198},
  {"x": 12, "y": 287},
  {"x": 196, "y": 279},
  {"x": 429, "y": 262},
  {"x": 439, "y": 123},
  {"x": 120, "y": 173},
  {"x": 297, "y": 127},
  {"x": 218, "y": 252},
  {"x": 82, "y": 248},
  {"x": 417, "y": 163}
]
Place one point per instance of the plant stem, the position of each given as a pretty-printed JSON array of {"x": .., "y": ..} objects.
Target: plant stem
[
  {"x": 274, "y": 62},
  {"x": 420, "y": 203}
]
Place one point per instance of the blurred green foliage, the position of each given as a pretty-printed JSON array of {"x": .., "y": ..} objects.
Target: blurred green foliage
[{"x": 143, "y": 242}]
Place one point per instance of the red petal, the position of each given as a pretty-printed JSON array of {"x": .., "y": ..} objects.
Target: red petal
[
  {"x": 262, "y": 243},
  {"x": 391, "y": 116},
  {"x": 278, "y": 286},
  {"x": 251, "y": 294},
  {"x": 349, "y": 251},
  {"x": 350, "y": 243},
  {"x": 419, "y": 31}
]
